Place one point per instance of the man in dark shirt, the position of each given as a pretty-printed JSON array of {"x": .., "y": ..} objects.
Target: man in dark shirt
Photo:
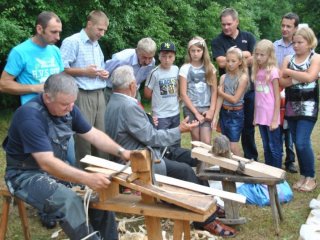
[
  {"x": 232, "y": 36},
  {"x": 36, "y": 152}
]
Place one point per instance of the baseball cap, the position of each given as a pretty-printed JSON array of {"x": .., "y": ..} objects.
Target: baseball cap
[{"x": 168, "y": 46}]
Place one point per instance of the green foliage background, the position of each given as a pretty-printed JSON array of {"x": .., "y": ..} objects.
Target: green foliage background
[{"x": 162, "y": 20}]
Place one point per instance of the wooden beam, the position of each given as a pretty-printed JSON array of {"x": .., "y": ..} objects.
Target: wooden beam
[
  {"x": 95, "y": 161},
  {"x": 195, "y": 202},
  {"x": 132, "y": 204},
  {"x": 252, "y": 168}
]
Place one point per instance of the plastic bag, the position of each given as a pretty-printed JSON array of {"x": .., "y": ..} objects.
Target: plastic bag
[{"x": 258, "y": 194}]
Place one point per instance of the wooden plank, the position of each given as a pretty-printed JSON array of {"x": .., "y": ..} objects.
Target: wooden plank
[
  {"x": 132, "y": 204},
  {"x": 252, "y": 168},
  {"x": 195, "y": 202},
  {"x": 95, "y": 161}
]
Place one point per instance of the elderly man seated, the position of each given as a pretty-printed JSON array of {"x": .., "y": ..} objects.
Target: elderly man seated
[{"x": 127, "y": 123}]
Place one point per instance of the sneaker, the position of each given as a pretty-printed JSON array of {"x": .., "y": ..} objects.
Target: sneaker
[
  {"x": 309, "y": 185},
  {"x": 291, "y": 168},
  {"x": 298, "y": 185}
]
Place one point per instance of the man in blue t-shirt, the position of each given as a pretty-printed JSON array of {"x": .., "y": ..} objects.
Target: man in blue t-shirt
[
  {"x": 35, "y": 152},
  {"x": 30, "y": 63}
]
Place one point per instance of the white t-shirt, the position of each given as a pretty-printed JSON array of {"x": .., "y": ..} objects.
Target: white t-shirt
[{"x": 164, "y": 84}]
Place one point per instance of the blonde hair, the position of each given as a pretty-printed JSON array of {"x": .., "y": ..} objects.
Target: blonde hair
[
  {"x": 267, "y": 47},
  {"x": 308, "y": 34},
  {"x": 243, "y": 69},
  {"x": 208, "y": 66}
]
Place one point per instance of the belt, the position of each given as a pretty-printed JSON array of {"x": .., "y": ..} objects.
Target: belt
[
  {"x": 229, "y": 108},
  {"x": 91, "y": 91}
]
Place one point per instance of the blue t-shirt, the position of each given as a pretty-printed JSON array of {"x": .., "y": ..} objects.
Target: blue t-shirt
[
  {"x": 31, "y": 64},
  {"x": 28, "y": 132}
]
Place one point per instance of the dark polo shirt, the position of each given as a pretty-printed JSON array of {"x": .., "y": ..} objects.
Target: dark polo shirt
[{"x": 219, "y": 45}]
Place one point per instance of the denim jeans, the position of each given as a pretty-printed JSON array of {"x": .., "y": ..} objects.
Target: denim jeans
[
  {"x": 61, "y": 204},
  {"x": 288, "y": 143},
  {"x": 271, "y": 145},
  {"x": 247, "y": 138},
  {"x": 301, "y": 135}
]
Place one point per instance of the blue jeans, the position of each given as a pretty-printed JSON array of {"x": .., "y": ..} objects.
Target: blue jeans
[
  {"x": 247, "y": 138},
  {"x": 60, "y": 203},
  {"x": 301, "y": 135},
  {"x": 287, "y": 138},
  {"x": 272, "y": 145}
]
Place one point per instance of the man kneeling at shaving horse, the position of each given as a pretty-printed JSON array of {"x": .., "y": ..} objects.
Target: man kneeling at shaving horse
[
  {"x": 36, "y": 149},
  {"x": 127, "y": 123}
]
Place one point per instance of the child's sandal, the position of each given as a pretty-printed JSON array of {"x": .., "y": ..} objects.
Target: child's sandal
[{"x": 219, "y": 229}]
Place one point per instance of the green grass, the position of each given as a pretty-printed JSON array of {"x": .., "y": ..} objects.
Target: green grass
[{"x": 259, "y": 220}]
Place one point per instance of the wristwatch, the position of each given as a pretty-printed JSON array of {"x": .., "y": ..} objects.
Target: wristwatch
[{"x": 120, "y": 151}]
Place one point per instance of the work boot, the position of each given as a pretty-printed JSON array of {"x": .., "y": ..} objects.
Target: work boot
[{"x": 291, "y": 168}]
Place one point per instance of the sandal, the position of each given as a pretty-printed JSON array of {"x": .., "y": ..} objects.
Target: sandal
[
  {"x": 220, "y": 212},
  {"x": 219, "y": 229},
  {"x": 309, "y": 185},
  {"x": 298, "y": 185}
]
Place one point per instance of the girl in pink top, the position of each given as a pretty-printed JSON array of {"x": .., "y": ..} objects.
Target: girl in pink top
[{"x": 265, "y": 75}]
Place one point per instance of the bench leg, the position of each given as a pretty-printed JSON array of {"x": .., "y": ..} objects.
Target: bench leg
[
  {"x": 4, "y": 217},
  {"x": 153, "y": 226},
  {"x": 231, "y": 207},
  {"x": 278, "y": 205},
  {"x": 181, "y": 227},
  {"x": 274, "y": 209},
  {"x": 23, "y": 218}
]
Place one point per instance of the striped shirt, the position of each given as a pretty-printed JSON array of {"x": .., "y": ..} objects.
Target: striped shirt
[
  {"x": 78, "y": 51},
  {"x": 282, "y": 50}
]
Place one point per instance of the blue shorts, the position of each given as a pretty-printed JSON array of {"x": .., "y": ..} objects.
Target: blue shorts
[
  {"x": 187, "y": 112},
  {"x": 231, "y": 123}
]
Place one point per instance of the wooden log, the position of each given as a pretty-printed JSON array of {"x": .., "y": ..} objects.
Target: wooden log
[
  {"x": 252, "y": 168},
  {"x": 95, "y": 161}
]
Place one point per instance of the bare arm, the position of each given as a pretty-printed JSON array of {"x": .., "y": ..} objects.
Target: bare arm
[
  {"x": 248, "y": 56},
  {"x": 104, "y": 143},
  {"x": 276, "y": 113},
  {"x": 214, "y": 93},
  {"x": 147, "y": 93},
  {"x": 243, "y": 82},
  {"x": 9, "y": 85},
  {"x": 285, "y": 81},
  {"x": 186, "y": 99},
  {"x": 218, "y": 106},
  {"x": 308, "y": 76},
  {"x": 59, "y": 169}
]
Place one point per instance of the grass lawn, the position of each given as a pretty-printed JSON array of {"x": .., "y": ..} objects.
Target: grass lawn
[{"x": 259, "y": 220}]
